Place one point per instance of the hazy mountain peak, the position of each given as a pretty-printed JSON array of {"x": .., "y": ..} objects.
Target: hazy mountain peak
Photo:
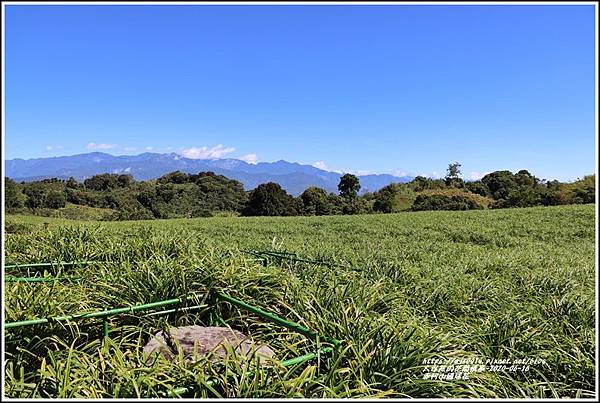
[{"x": 292, "y": 176}]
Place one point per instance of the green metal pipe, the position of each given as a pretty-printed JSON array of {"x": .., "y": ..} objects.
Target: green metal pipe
[
  {"x": 187, "y": 308},
  {"x": 306, "y": 357},
  {"x": 12, "y": 279},
  {"x": 293, "y": 257},
  {"x": 98, "y": 314},
  {"x": 48, "y": 264},
  {"x": 177, "y": 392},
  {"x": 283, "y": 322},
  {"x": 278, "y": 253},
  {"x": 254, "y": 251}
]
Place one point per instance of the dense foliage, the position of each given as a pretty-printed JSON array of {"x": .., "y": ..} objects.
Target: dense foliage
[
  {"x": 481, "y": 284},
  {"x": 442, "y": 202},
  {"x": 178, "y": 194},
  {"x": 271, "y": 200}
]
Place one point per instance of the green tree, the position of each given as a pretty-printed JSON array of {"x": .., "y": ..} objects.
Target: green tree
[
  {"x": 453, "y": 178},
  {"x": 72, "y": 183},
  {"x": 13, "y": 196},
  {"x": 443, "y": 202},
  {"x": 55, "y": 199},
  {"x": 36, "y": 195},
  {"x": 174, "y": 177},
  {"x": 394, "y": 197},
  {"x": 521, "y": 196},
  {"x": 584, "y": 190},
  {"x": 101, "y": 182},
  {"x": 125, "y": 180},
  {"x": 499, "y": 183},
  {"x": 354, "y": 205},
  {"x": 420, "y": 183},
  {"x": 269, "y": 199},
  {"x": 384, "y": 203},
  {"x": 453, "y": 171},
  {"x": 315, "y": 202},
  {"x": 349, "y": 186},
  {"x": 219, "y": 193},
  {"x": 524, "y": 178},
  {"x": 477, "y": 187},
  {"x": 384, "y": 198}
]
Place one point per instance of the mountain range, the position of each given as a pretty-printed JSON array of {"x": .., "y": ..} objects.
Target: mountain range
[{"x": 293, "y": 177}]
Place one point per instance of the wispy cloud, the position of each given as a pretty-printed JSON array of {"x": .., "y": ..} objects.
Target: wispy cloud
[
  {"x": 203, "y": 153},
  {"x": 476, "y": 175},
  {"x": 54, "y": 147},
  {"x": 101, "y": 146},
  {"x": 320, "y": 165},
  {"x": 249, "y": 158},
  {"x": 359, "y": 172},
  {"x": 148, "y": 148},
  {"x": 431, "y": 175},
  {"x": 397, "y": 172}
]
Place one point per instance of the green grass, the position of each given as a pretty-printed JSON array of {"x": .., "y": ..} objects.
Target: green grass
[{"x": 514, "y": 283}]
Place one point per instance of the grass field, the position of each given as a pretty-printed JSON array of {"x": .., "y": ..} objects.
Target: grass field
[{"x": 505, "y": 284}]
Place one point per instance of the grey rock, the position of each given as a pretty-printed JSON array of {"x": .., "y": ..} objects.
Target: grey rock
[{"x": 203, "y": 340}]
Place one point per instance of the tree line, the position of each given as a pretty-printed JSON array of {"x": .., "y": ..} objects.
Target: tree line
[{"x": 178, "y": 194}]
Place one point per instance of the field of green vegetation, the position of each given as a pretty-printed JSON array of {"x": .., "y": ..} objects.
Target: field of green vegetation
[{"x": 409, "y": 287}]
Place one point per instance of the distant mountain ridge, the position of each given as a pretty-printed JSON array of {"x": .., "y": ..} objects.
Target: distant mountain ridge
[{"x": 293, "y": 177}]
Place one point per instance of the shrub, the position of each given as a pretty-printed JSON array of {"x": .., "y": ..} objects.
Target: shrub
[
  {"x": 393, "y": 198},
  {"x": 315, "y": 202},
  {"x": 55, "y": 200},
  {"x": 441, "y": 202},
  {"x": 271, "y": 200}
]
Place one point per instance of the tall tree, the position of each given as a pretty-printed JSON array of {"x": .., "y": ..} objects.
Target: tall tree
[
  {"x": 13, "y": 197},
  {"x": 349, "y": 185},
  {"x": 453, "y": 178},
  {"x": 271, "y": 200},
  {"x": 315, "y": 202}
]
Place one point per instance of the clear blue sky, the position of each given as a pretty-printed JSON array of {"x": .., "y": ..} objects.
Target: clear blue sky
[{"x": 363, "y": 88}]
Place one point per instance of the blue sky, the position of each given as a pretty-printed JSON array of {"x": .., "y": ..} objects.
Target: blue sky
[{"x": 396, "y": 89}]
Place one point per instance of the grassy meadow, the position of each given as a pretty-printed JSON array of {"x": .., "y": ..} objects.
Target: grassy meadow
[{"x": 408, "y": 287}]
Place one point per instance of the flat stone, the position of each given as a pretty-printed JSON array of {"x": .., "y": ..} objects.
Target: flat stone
[{"x": 204, "y": 340}]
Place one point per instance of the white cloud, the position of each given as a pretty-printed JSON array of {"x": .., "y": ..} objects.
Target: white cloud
[
  {"x": 149, "y": 148},
  {"x": 202, "y": 153},
  {"x": 432, "y": 175},
  {"x": 249, "y": 158},
  {"x": 101, "y": 146},
  {"x": 361, "y": 172},
  {"x": 130, "y": 148},
  {"x": 475, "y": 175},
  {"x": 320, "y": 165},
  {"x": 397, "y": 172},
  {"x": 324, "y": 167},
  {"x": 54, "y": 147}
]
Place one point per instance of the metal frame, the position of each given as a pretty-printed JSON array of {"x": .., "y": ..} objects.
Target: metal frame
[{"x": 177, "y": 392}]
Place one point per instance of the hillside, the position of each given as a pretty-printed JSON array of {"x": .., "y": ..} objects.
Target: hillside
[
  {"x": 292, "y": 177},
  {"x": 410, "y": 287}
]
